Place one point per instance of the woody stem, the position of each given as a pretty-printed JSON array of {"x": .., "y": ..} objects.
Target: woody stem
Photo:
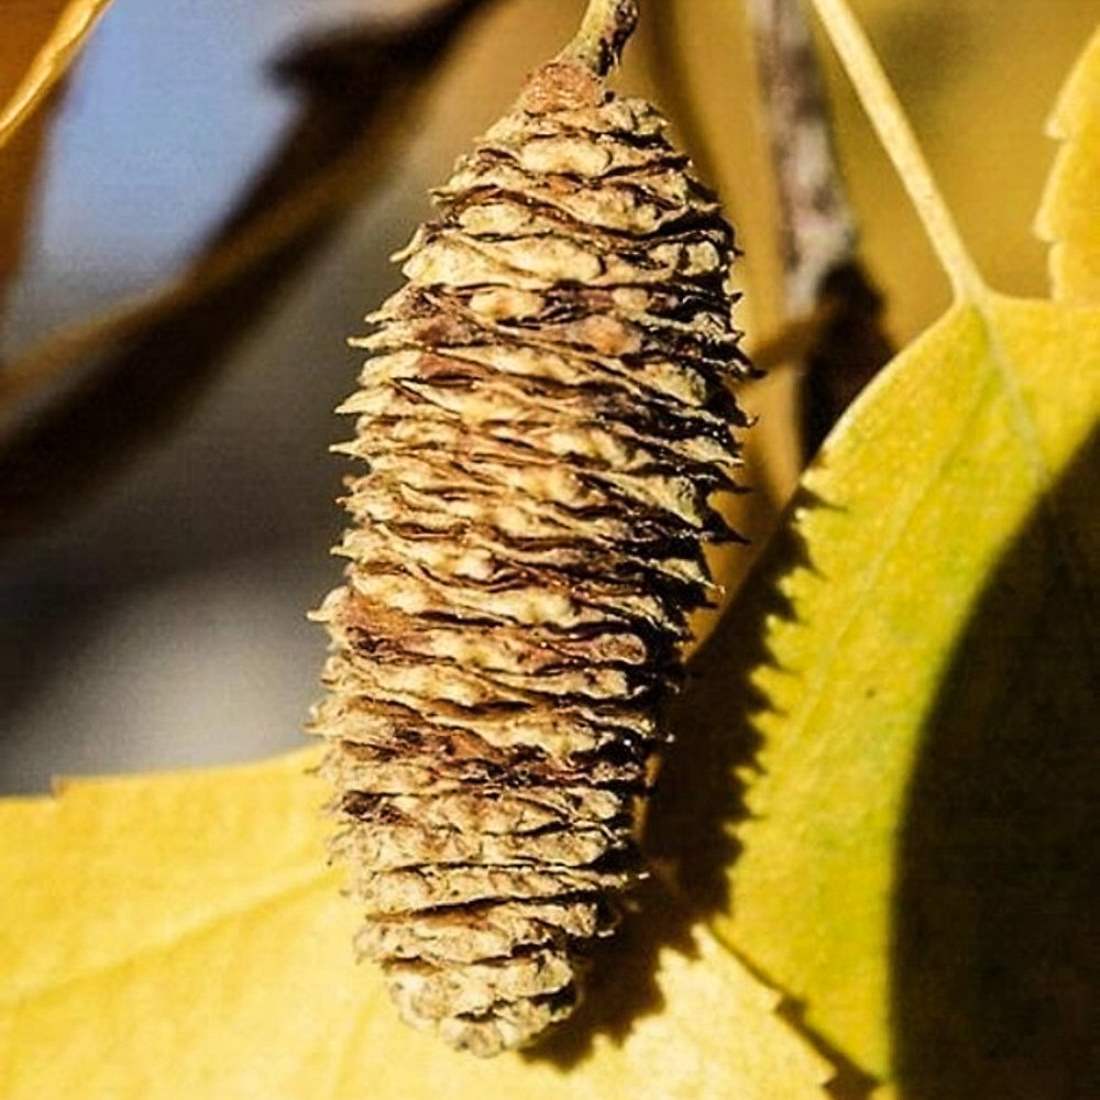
[{"x": 603, "y": 33}]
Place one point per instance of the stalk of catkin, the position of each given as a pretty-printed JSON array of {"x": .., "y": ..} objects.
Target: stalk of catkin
[{"x": 544, "y": 417}]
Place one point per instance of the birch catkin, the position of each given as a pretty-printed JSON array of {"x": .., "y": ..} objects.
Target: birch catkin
[{"x": 543, "y": 417}]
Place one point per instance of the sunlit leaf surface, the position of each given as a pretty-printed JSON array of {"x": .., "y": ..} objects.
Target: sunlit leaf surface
[
  {"x": 915, "y": 869},
  {"x": 938, "y": 634},
  {"x": 179, "y": 936}
]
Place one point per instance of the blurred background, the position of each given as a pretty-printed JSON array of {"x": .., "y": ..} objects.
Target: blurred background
[{"x": 209, "y": 214}]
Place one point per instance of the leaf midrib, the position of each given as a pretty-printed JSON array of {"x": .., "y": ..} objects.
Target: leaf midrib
[{"x": 1028, "y": 432}]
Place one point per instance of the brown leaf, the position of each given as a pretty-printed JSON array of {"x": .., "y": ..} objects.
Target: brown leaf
[{"x": 42, "y": 38}]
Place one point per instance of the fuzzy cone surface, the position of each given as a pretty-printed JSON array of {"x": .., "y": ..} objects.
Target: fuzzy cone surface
[{"x": 544, "y": 417}]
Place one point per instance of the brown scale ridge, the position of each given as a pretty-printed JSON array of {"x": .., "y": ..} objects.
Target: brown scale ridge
[{"x": 543, "y": 418}]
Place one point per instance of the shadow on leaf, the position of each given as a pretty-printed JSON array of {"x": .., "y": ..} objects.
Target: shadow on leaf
[
  {"x": 996, "y": 964},
  {"x": 697, "y": 803},
  {"x": 621, "y": 986}
]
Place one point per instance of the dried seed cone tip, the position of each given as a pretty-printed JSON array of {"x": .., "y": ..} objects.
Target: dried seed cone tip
[{"x": 544, "y": 417}]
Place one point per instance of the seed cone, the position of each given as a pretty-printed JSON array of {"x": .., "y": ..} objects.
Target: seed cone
[{"x": 544, "y": 417}]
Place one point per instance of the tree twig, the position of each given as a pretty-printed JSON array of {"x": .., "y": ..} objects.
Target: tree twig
[
  {"x": 603, "y": 33},
  {"x": 823, "y": 278},
  {"x": 817, "y": 228}
]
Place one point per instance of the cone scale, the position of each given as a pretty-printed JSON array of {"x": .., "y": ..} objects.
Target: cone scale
[{"x": 543, "y": 418}]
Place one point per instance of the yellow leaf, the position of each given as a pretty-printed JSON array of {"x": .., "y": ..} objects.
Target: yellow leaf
[
  {"x": 915, "y": 867},
  {"x": 921, "y": 505},
  {"x": 41, "y": 40},
  {"x": 1069, "y": 215},
  {"x": 179, "y": 936}
]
